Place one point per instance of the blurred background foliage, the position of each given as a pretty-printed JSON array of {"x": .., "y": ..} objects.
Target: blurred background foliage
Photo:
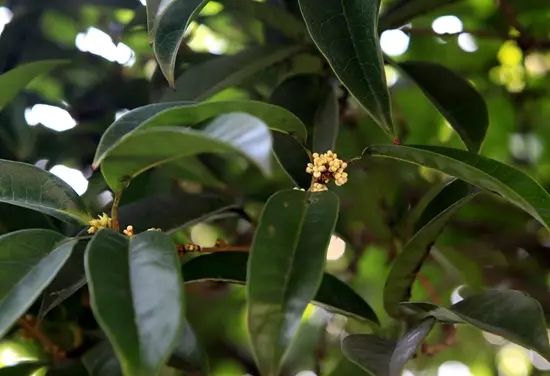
[{"x": 248, "y": 49}]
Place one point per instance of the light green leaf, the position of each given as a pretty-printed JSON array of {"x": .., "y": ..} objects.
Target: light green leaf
[
  {"x": 407, "y": 264},
  {"x": 22, "y": 369},
  {"x": 346, "y": 32},
  {"x": 457, "y": 100},
  {"x": 201, "y": 81},
  {"x": 29, "y": 260},
  {"x": 137, "y": 297},
  {"x": 188, "y": 114},
  {"x": 292, "y": 238},
  {"x": 384, "y": 357},
  {"x": 513, "y": 185},
  {"x": 15, "y": 80},
  {"x": 30, "y": 187},
  {"x": 142, "y": 150},
  {"x": 333, "y": 294},
  {"x": 169, "y": 29}
]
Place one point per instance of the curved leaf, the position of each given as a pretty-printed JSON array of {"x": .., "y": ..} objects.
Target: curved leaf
[
  {"x": 346, "y": 32},
  {"x": 200, "y": 81},
  {"x": 28, "y": 186},
  {"x": 383, "y": 357},
  {"x": 187, "y": 114},
  {"x": 22, "y": 369},
  {"x": 327, "y": 120},
  {"x": 292, "y": 156},
  {"x": 333, "y": 294},
  {"x": 457, "y": 100},
  {"x": 169, "y": 29},
  {"x": 15, "y": 80},
  {"x": 29, "y": 260},
  {"x": 142, "y": 150},
  {"x": 188, "y": 355},
  {"x": 407, "y": 264},
  {"x": 101, "y": 361},
  {"x": 285, "y": 269},
  {"x": 511, "y": 314},
  {"x": 512, "y": 184},
  {"x": 136, "y": 295}
]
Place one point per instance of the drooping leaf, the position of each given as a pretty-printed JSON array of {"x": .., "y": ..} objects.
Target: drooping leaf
[
  {"x": 292, "y": 156},
  {"x": 203, "y": 80},
  {"x": 101, "y": 361},
  {"x": 28, "y": 186},
  {"x": 169, "y": 29},
  {"x": 188, "y": 114},
  {"x": 292, "y": 237},
  {"x": 327, "y": 120},
  {"x": 188, "y": 354},
  {"x": 136, "y": 296},
  {"x": 333, "y": 294},
  {"x": 142, "y": 150},
  {"x": 513, "y": 185},
  {"x": 384, "y": 357},
  {"x": 29, "y": 260},
  {"x": 15, "y": 80},
  {"x": 402, "y": 11},
  {"x": 346, "y": 32},
  {"x": 457, "y": 100},
  {"x": 511, "y": 314},
  {"x": 434, "y": 218}
]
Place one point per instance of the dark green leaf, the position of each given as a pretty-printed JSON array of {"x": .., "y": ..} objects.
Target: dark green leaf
[
  {"x": 15, "y": 80},
  {"x": 21, "y": 369},
  {"x": 203, "y": 80},
  {"x": 407, "y": 264},
  {"x": 510, "y": 183},
  {"x": 188, "y": 354},
  {"x": 456, "y": 99},
  {"x": 101, "y": 361},
  {"x": 169, "y": 29},
  {"x": 346, "y": 32},
  {"x": 28, "y": 186},
  {"x": 136, "y": 296},
  {"x": 333, "y": 294},
  {"x": 188, "y": 114},
  {"x": 29, "y": 260},
  {"x": 292, "y": 156},
  {"x": 327, "y": 120},
  {"x": 383, "y": 357},
  {"x": 292, "y": 238},
  {"x": 142, "y": 150},
  {"x": 402, "y": 11}
]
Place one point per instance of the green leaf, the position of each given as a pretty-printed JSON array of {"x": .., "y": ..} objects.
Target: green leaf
[
  {"x": 153, "y": 8},
  {"x": 292, "y": 238},
  {"x": 513, "y": 185},
  {"x": 29, "y": 260},
  {"x": 188, "y": 114},
  {"x": 457, "y": 100},
  {"x": 30, "y": 187},
  {"x": 15, "y": 80},
  {"x": 346, "y": 32},
  {"x": 402, "y": 11},
  {"x": 169, "y": 29},
  {"x": 137, "y": 297},
  {"x": 327, "y": 120},
  {"x": 22, "y": 369},
  {"x": 407, "y": 264},
  {"x": 201, "y": 81},
  {"x": 188, "y": 354},
  {"x": 333, "y": 294},
  {"x": 101, "y": 361},
  {"x": 511, "y": 314},
  {"x": 292, "y": 156},
  {"x": 383, "y": 357},
  {"x": 142, "y": 150}
]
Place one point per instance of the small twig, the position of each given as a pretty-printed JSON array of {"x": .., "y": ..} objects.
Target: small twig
[
  {"x": 190, "y": 247},
  {"x": 427, "y": 285},
  {"x": 32, "y": 329},
  {"x": 114, "y": 211},
  {"x": 449, "y": 339}
]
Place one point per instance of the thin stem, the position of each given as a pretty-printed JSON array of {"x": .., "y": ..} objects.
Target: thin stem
[
  {"x": 34, "y": 331},
  {"x": 114, "y": 211},
  {"x": 229, "y": 248}
]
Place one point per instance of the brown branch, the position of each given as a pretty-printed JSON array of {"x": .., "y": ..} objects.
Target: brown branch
[
  {"x": 427, "y": 285},
  {"x": 190, "y": 247},
  {"x": 449, "y": 339},
  {"x": 31, "y": 327}
]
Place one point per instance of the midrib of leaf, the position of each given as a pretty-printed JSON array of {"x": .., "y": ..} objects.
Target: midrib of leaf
[
  {"x": 365, "y": 74},
  {"x": 489, "y": 176}
]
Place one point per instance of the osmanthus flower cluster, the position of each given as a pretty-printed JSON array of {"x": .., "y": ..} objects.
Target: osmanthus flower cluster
[
  {"x": 104, "y": 221},
  {"x": 326, "y": 167}
]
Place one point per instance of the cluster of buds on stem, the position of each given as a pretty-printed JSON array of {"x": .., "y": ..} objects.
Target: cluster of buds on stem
[
  {"x": 102, "y": 221},
  {"x": 326, "y": 167}
]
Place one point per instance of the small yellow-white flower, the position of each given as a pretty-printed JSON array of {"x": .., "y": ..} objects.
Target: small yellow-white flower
[
  {"x": 102, "y": 221},
  {"x": 326, "y": 167}
]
